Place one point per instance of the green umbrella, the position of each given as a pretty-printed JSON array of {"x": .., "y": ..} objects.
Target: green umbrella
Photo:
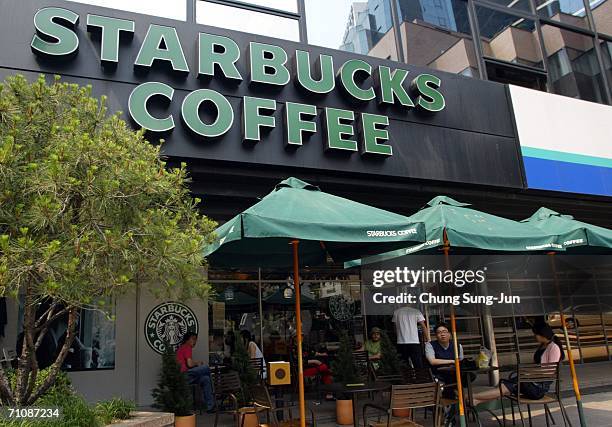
[
  {"x": 450, "y": 223},
  {"x": 576, "y": 237},
  {"x": 469, "y": 231},
  {"x": 298, "y": 223}
]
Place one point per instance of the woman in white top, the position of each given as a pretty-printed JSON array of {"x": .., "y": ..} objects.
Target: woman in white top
[{"x": 254, "y": 350}]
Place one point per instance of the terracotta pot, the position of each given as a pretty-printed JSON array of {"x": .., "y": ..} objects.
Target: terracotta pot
[
  {"x": 344, "y": 412},
  {"x": 188, "y": 421},
  {"x": 250, "y": 420},
  {"x": 401, "y": 413}
]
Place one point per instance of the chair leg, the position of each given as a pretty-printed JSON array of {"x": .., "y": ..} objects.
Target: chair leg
[
  {"x": 512, "y": 408},
  {"x": 564, "y": 415},
  {"x": 529, "y": 413},
  {"x": 518, "y": 405},
  {"x": 549, "y": 414}
]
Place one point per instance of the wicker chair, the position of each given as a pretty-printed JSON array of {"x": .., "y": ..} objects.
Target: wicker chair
[
  {"x": 225, "y": 386},
  {"x": 262, "y": 403}
]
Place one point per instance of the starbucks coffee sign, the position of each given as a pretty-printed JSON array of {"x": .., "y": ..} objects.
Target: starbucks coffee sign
[
  {"x": 168, "y": 323},
  {"x": 264, "y": 65}
]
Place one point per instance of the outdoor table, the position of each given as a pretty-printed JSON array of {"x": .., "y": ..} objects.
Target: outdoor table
[
  {"x": 354, "y": 389},
  {"x": 475, "y": 371}
]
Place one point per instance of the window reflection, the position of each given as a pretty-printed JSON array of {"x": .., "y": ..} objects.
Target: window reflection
[
  {"x": 568, "y": 11},
  {"x": 515, "y": 4},
  {"x": 602, "y": 15},
  {"x": 436, "y": 34},
  {"x": 509, "y": 38},
  {"x": 173, "y": 10},
  {"x": 249, "y": 21},
  {"x": 573, "y": 67}
]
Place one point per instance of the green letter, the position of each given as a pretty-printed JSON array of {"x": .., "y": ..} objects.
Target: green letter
[
  {"x": 326, "y": 63},
  {"x": 372, "y": 134},
  {"x": 137, "y": 106},
  {"x": 52, "y": 38},
  {"x": 252, "y": 120},
  {"x": 111, "y": 29},
  {"x": 430, "y": 98},
  {"x": 191, "y": 117},
  {"x": 347, "y": 76},
  {"x": 152, "y": 50},
  {"x": 336, "y": 130},
  {"x": 268, "y": 64},
  {"x": 226, "y": 60},
  {"x": 391, "y": 86},
  {"x": 294, "y": 123}
]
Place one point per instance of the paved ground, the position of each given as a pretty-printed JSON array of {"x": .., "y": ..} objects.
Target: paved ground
[{"x": 595, "y": 381}]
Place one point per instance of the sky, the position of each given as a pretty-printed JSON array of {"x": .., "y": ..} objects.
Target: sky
[{"x": 326, "y": 21}]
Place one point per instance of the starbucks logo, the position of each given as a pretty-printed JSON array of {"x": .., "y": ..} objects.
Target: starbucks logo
[{"x": 168, "y": 323}]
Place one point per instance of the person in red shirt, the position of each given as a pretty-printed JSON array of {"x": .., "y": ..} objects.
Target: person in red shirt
[{"x": 197, "y": 372}]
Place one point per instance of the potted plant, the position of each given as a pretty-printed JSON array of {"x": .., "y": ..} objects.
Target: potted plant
[
  {"x": 390, "y": 364},
  {"x": 344, "y": 373},
  {"x": 241, "y": 363},
  {"x": 173, "y": 393}
]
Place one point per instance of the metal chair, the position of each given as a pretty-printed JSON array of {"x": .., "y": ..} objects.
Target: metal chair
[
  {"x": 225, "y": 387},
  {"x": 361, "y": 361},
  {"x": 263, "y": 403},
  {"x": 409, "y": 396},
  {"x": 258, "y": 366},
  {"x": 9, "y": 357},
  {"x": 539, "y": 373}
]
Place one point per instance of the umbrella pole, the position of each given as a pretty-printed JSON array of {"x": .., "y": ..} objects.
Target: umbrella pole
[
  {"x": 568, "y": 344},
  {"x": 462, "y": 422},
  {"x": 298, "y": 321}
]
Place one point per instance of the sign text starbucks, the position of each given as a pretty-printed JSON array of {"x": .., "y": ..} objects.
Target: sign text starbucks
[{"x": 208, "y": 114}]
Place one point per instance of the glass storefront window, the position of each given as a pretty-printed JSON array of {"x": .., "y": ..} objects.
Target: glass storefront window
[
  {"x": 436, "y": 34},
  {"x": 568, "y": 11},
  {"x": 364, "y": 27},
  {"x": 166, "y": 9},
  {"x": 573, "y": 67},
  {"x": 509, "y": 38},
  {"x": 249, "y": 21},
  {"x": 93, "y": 347}
]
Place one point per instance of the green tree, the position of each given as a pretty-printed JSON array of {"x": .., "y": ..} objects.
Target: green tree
[
  {"x": 173, "y": 393},
  {"x": 88, "y": 210},
  {"x": 241, "y": 363},
  {"x": 390, "y": 362},
  {"x": 343, "y": 366}
]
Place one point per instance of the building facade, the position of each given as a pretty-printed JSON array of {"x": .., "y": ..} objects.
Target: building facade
[{"x": 504, "y": 105}]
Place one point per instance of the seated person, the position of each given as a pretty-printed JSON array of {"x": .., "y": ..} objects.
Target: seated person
[
  {"x": 197, "y": 372},
  {"x": 372, "y": 346},
  {"x": 254, "y": 351},
  {"x": 550, "y": 350},
  {"x": 315, "y": 363},
  {"x": 442, "y": 352}
]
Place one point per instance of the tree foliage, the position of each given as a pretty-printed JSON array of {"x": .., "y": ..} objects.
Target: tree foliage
[
  {"x": 390, "y": 362},
  {"x": 173, "y": 393},
  {"x": 88, "y": 209},
  {"x": 343, "y": 366}
]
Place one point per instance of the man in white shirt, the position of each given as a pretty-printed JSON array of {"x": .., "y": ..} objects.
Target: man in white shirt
[{"x": 407, "y": 319}]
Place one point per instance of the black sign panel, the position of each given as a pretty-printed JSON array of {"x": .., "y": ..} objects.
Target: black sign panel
[{"x": 472, "y": 140}]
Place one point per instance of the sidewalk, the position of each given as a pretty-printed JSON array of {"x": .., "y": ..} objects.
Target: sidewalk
[{"x": 595, "y": 383}]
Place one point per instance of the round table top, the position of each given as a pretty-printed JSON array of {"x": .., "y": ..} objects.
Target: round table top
[{"x": 356, "y": 388}]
